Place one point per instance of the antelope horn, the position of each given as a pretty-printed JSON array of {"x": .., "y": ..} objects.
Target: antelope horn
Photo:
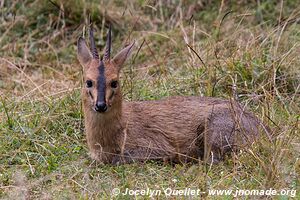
[
  {"x": 93, "y": 46},
  {"x": 108, "y": 45}
]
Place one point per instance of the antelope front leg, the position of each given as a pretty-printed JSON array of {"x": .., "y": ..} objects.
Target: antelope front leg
[{"x": 122, "y": 159}]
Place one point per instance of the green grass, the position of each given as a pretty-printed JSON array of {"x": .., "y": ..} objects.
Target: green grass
[{"x": 251, "y": 54}]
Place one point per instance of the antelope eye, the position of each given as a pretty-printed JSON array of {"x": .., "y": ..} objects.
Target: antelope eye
[
  {"x": 114, "y": 84},
  {"x": 89, "y": 84}
]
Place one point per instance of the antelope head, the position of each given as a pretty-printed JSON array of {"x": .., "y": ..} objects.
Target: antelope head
[{"x": 101, "y": 75}]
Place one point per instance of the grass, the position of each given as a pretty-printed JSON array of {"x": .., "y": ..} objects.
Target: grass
[{"x": 247, "y": 51}]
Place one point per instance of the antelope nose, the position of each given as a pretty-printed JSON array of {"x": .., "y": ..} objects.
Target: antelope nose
[{"x": 100, "y": 106}]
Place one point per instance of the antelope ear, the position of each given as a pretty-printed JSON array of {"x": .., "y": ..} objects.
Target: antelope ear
[
  {"x": 84, "y": 55},
  {"x": 121, "y": 57}
]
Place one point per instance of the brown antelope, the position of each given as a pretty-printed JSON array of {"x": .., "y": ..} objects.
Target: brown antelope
[{"x": 173, "y": 129}]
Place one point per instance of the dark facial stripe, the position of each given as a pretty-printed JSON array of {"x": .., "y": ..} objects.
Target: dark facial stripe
[
  {"x": 91, "y": 94},
  {"x": 101, "y": 83}
]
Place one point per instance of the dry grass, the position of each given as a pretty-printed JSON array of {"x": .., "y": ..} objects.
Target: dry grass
[{"x": 186, "y": 48}]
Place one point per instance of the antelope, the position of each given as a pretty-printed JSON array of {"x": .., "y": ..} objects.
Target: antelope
[{"x": 175, "y": 129}]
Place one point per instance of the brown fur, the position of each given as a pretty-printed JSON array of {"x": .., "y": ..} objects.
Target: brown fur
[{"x": 176, "y": 128}]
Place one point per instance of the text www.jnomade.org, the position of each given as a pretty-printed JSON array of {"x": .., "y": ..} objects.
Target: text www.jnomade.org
[{"x": 197, "y": 192}]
